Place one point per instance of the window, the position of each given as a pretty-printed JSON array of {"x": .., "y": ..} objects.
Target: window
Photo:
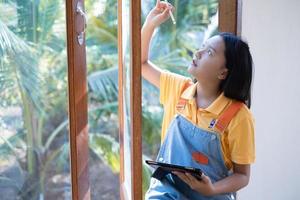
[
  {"x": 34, "y": 142},
  {"x": 167, "y": 51},
  {"x": 50, "y": 94}
]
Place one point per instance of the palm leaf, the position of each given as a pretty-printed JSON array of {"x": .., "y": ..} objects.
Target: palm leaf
[
  {"x": 105, "y": 84},
  {"x": 103, "y": 33},
  {"x": 19, "y": 66},
  {"x": 6, "y": 81},
  {"x": 53, "y": 135},
  {"x": 48, "y": 12},
  {"x": 9, "y": 148},
  {"x": 10, "y": 44}
]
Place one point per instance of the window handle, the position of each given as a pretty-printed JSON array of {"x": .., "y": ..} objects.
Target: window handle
[{"x": 79, "y": 10}]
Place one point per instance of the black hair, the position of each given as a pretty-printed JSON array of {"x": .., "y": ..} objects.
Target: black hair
[{"x": 237, "y": 84}]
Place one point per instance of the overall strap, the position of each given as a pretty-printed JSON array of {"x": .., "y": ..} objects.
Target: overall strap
[
  {"x": 227, "y": 116},
  {"x": 182, "y": 102}
]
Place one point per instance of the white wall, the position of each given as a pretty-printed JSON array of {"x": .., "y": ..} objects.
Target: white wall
[{"x": 272, "y": 29}]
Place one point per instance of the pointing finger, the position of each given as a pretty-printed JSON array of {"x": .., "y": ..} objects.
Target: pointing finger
[{"x": 157, "y": 2}]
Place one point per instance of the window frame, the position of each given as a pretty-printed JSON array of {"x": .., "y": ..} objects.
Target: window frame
[
  {"x": 135, "y": 101},
  {"x": 229, "y": 21},
  {"x": 78, "y": 103},
  {"x": 230, "y": 16}
]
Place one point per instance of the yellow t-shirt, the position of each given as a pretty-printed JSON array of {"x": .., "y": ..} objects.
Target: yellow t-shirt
[{"x": 237, "y": 140}]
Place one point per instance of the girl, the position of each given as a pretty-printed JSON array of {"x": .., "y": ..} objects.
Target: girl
[{"x": 206, "y": 124}]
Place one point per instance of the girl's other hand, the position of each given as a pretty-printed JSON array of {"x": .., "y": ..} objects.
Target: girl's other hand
[
  {"x": 159, "y": 14},
  {"x": 203, "y": 186}
]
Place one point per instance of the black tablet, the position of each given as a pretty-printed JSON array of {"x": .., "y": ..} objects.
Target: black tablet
[{"x": 170, "y": 168}]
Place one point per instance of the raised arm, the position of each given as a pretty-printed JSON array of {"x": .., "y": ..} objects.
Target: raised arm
[{"x": 158, "y": 15}]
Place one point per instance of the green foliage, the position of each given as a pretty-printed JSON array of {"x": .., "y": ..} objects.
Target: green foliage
[
  {"x": 107, "y": 149},
  {"x": 151, "y": 126},
  {"x": 101, "y": 37},
  {"x": 32, "y": 58},
  {"x": 146, "y": 176},
  {"x": 10, "y": 145},
  {"x": 104, "y": 84},
  {"x": 17, "y": 69}
]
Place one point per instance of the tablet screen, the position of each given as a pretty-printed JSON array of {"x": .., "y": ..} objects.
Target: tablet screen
[{"x": 171, "y": 167}]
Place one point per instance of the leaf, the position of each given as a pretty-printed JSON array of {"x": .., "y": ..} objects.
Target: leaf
[
  {"x": 99, "y": 30},
  {"x": 107, "y": 150},
  {"x": 10, "y": 44},
  {"x": 147, "y": 173},
  {"x": 54, "y": 133},
  {"x": 48, "y": 11},
  {"x": 20, "y": 65},
  {"x": 9, "y": 145},
  {"x": 105, "y": 84}
]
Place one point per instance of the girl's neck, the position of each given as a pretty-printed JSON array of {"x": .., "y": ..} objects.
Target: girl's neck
[{"x": 206, "y": 94}]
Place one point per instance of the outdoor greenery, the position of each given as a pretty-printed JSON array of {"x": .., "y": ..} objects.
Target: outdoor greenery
[{"x": 33, "y": 86}]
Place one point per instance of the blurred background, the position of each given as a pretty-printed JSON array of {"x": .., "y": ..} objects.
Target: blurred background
[{"x": 34, "y": 146}]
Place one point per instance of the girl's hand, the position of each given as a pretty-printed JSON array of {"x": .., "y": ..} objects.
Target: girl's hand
[
  {"x": 159, "y": 14},
  {"x": 203, "y": 186}
]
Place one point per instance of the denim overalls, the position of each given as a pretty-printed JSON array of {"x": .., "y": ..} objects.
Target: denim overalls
[{"x": 188, "y": 145}]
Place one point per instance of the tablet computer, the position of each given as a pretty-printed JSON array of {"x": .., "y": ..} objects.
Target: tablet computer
[{"x": 197, "y": 173}]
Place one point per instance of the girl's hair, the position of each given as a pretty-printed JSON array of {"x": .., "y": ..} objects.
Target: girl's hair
[{"x": 237, "y": 84}]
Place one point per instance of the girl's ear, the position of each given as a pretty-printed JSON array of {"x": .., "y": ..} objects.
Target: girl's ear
[{"x": 223, "y": 74}]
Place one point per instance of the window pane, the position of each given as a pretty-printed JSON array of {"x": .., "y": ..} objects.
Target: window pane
[
  {"x": 126, "y": 44},
  {"x": 102, "y": 64},
  {"x": 34, "y": 145}
]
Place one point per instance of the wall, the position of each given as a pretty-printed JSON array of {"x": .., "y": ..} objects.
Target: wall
[{"x": 272, "y": 29}]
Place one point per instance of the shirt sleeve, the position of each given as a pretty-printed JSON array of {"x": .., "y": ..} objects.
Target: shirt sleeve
[
  {"x": 171, "y": 85},
  {"x": 242, "y": 142}
]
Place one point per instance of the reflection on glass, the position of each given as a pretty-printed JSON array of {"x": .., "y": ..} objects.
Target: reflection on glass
[
  {"x": 126, "y": 91},
  {"x": 102, "y": 66},
  {"x": 34, "y": 146}
]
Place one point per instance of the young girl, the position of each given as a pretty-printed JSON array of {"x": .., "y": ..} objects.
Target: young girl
[{"x": 206, "y": 124}]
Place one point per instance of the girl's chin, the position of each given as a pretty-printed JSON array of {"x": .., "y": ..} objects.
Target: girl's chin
[
  {"x": 190, "y": 71},
  {"x": 191, "y": 66}
]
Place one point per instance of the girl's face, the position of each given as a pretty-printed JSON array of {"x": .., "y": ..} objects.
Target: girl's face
[{"x": 209, "y": 62}]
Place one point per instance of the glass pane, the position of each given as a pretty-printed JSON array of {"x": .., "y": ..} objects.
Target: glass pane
[
  {"x": 34, "y": 145},
  {"x": 126, "y": 43},
  {"x": 102, "y": 64},
  {"x": 171, "y": 49}
]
